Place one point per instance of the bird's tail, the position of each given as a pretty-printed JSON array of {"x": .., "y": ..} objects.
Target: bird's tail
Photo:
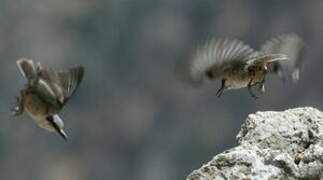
[{"x": 28, "y": 69}]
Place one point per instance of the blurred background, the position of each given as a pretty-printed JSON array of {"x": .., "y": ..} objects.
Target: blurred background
[{"x": 130, "y": 118}]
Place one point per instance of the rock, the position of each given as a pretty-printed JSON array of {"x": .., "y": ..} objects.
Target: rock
[{"x": 272, "y": 145}]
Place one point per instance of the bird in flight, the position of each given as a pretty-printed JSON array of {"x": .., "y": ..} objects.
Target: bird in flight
[
  {"x": 45, "y": 93},
  {"x": 237, "y": 65}
]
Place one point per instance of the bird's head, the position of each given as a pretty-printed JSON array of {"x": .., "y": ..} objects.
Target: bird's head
[{"x": 58, "y": 125}]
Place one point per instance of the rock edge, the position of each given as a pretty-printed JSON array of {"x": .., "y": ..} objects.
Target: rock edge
[{"x": 272, "y": 145}]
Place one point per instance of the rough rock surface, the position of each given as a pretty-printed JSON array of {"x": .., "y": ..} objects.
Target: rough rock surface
[{"x": 272, "y": 145}]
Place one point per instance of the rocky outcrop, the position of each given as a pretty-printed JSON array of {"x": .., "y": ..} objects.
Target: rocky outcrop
[{"x": 272, "y": 145}]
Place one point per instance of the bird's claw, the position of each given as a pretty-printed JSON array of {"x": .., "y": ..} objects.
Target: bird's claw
[
  {"x": 219, "y": 92},
  {"x": 17, "y": 110}
]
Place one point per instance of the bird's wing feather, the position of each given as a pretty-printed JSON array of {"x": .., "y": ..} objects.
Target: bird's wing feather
[
  {"x": 28, "y": 70},
  {"x": 216, "y": 56},
  {"x": 49, "y": 84},
  {"x": 70, "y": 80},
  {"x": 291, "y": 45},
  {"x": 52, "y": 85},
  {"x": 60, "y": 84},
  {"x": 38, "y": 79}
]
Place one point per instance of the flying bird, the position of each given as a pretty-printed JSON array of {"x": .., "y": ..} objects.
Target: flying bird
[
  {"x": 45, "y": 93},
  {"x": 237, "y": 65}
]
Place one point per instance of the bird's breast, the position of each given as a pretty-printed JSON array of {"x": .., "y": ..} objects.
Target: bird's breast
[
  {"x": 236, "y": 80},
  {"x": 236, "y": 83},
  {"x": 41, "y": 121},
  {"x": 243, "y": 79},
  {"x": 37, "y": 110}
]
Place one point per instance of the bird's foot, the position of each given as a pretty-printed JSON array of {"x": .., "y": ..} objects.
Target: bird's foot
[
  {"x": 219, "y": 92},
  {"x": 18, "y": 109}
]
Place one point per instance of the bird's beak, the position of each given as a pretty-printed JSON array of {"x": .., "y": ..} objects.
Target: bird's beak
[
  {"x": 63, "y": 134},
  {"x": 58, "y": 125}
]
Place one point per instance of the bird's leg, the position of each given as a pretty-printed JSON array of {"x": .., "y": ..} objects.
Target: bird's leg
[
  {"x": 261, "y": 85},
  {"x": 220, "y": 91},
  {"x": 18, "y": 109},
  {"x": 250, "y": 90}
]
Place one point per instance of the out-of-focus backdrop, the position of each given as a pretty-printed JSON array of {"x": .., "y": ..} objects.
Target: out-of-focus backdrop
[{"x": 130, "y": 118}]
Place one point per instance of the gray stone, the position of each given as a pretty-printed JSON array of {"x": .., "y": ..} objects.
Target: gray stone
[{"x": 272, "y": 145}]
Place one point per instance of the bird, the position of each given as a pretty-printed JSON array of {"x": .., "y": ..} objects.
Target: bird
[
  {"x": 238, "y": 65},
  {"x": 45, "y": 93}
]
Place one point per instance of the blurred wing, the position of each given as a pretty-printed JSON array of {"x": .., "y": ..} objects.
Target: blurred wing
[
  {"x": 211, "y": 60},
  {"x": 292, "y": 46}
]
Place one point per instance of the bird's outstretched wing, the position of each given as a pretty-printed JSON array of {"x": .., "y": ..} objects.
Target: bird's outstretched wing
[
  {"x": 211, "y": 60},
  {"x": 51, "y": 85},
  {"x": 292, "y": 46},
  {"x": 60, "y": 84},
  {"x": 70, "y": 80}
]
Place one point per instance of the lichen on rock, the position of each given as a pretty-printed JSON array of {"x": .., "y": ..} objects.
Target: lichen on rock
[{"x": 272, "y": 145}]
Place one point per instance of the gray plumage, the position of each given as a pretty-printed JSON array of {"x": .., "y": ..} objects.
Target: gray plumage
[
  {"x": 209, "y": 61},
  {"x": 60, "y": 85},
  {"x": 237, "y": 64},
  {"x": 46, "y": 93},
  {"x": 217, "y": 56}
]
